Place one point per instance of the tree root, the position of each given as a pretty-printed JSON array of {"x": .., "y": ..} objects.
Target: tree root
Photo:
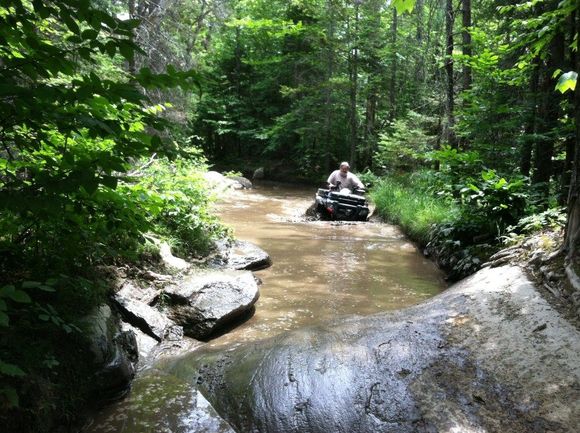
[{"x": 573, "y": 277}]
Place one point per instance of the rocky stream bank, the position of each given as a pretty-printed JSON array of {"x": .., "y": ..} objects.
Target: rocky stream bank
[{"x": 496, "y": 352}]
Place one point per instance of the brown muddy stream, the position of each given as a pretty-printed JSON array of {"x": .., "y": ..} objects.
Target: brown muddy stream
[{"x": 321, "y": 270}]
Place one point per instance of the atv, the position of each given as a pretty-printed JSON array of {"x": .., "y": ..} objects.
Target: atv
[{"x": 341, "y": 204}]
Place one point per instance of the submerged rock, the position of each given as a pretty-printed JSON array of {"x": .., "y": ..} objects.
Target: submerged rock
[
  {"x": 488, "y": 355},
  {"x": 159, "y": 403},
  {"x": 206, "y": 301}
]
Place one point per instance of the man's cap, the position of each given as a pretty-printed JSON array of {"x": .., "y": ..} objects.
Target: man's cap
[{"x": 344, "y": 164}]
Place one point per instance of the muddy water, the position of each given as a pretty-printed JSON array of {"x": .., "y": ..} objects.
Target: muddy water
[{"x": 321, "y": 271}]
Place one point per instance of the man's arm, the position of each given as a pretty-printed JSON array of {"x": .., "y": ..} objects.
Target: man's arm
[
  {"x": 357, "y": 182},
  {"x": 331, "y": 180}
]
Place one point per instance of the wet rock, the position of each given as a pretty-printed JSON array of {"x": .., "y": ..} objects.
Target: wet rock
[
  {"x": 219, "y": 257},
  {"x": 239, "y": 255},
  {"x": 221, "y": 183},
  {"x": 115, "y": 354},
  {"x": 142, "y": 316},
  {"x": 258, "y": 173},
  {"x": 467, "y": 360},
  {"x": 170, "y": 261},
  {"x": 245, "y": 255},
  {"x": 246, "y": 183},
  {"x": 145, "y": 343},
  {"x": 206, "y": 301},
  {"x": 130, "y": 289}
]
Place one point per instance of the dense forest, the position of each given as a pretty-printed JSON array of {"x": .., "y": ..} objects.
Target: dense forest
[{"x": 461, "y": 118}]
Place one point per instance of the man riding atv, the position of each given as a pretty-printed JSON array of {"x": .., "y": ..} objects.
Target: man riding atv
[
  {"x": 343, "y": 178},
  {"x": 343, "y": 200}
]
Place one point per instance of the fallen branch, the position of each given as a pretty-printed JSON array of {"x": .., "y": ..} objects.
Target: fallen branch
[{"x": 137, "y": 172}]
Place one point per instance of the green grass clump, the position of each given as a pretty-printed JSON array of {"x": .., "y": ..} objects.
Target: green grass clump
[{"x": 407, "y": 202}]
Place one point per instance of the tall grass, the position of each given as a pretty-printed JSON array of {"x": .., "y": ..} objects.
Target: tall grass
[{"x": 407, "y": 203}]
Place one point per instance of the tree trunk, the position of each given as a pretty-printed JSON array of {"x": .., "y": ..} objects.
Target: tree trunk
[
  {"x": 132, "y": 15},
  {"x": 420, "y": 60},
  {"x": 530, "y": 128},
  {"x": 238, "y": 79},
  {"x": 570, "y": 141},
  {"x": 393, "y": 81},
  {"x": 449, "y": 21},
  {"x": 572, "y": 234},
  {"x": 548, "y": 110},
  {"x": 466, "y": 36},
  {"x": 328, "y": 119},
  {"x": 354, "y": 88}
]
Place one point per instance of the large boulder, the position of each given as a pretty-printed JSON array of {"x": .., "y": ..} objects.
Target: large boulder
[
  {"x": 207, "y": 300},
  {"x": 114, "y": 354},
  {"x": 489, "y": 355}
]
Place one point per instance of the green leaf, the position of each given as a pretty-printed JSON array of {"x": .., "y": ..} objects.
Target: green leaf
[
  {"x": 42, "y": 10},
  {"x": 567, "y": 82},
  {"x": 6, "y": 290},
  {"x": 30, "y": 284},
  {"x": 110, "y": 181},
  {"x": 89, "y": 34},
  {"x": 69, "y": 21},
  {"x": 131, "y": 23},
  {"x": 11, "y": 395},
  {"x": 90, "y": 185},
  {"x": 500, "y": 183},
  {"x": 126, "y": 51},
  {"x": 20, "y": 297},
  {"x": 111, "y": 48},
  {"x": 4, "y": 319},
  {"x": 85, "y": 53},
  {"x": 11, "y": 370},
  {"x": 403, "y": 6}
]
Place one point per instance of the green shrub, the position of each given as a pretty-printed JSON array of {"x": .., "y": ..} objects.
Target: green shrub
[
  {"x": 176, "y": 200},
  {"x": 552, "y": 219},
  {"x": 493, "y": 203}
]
